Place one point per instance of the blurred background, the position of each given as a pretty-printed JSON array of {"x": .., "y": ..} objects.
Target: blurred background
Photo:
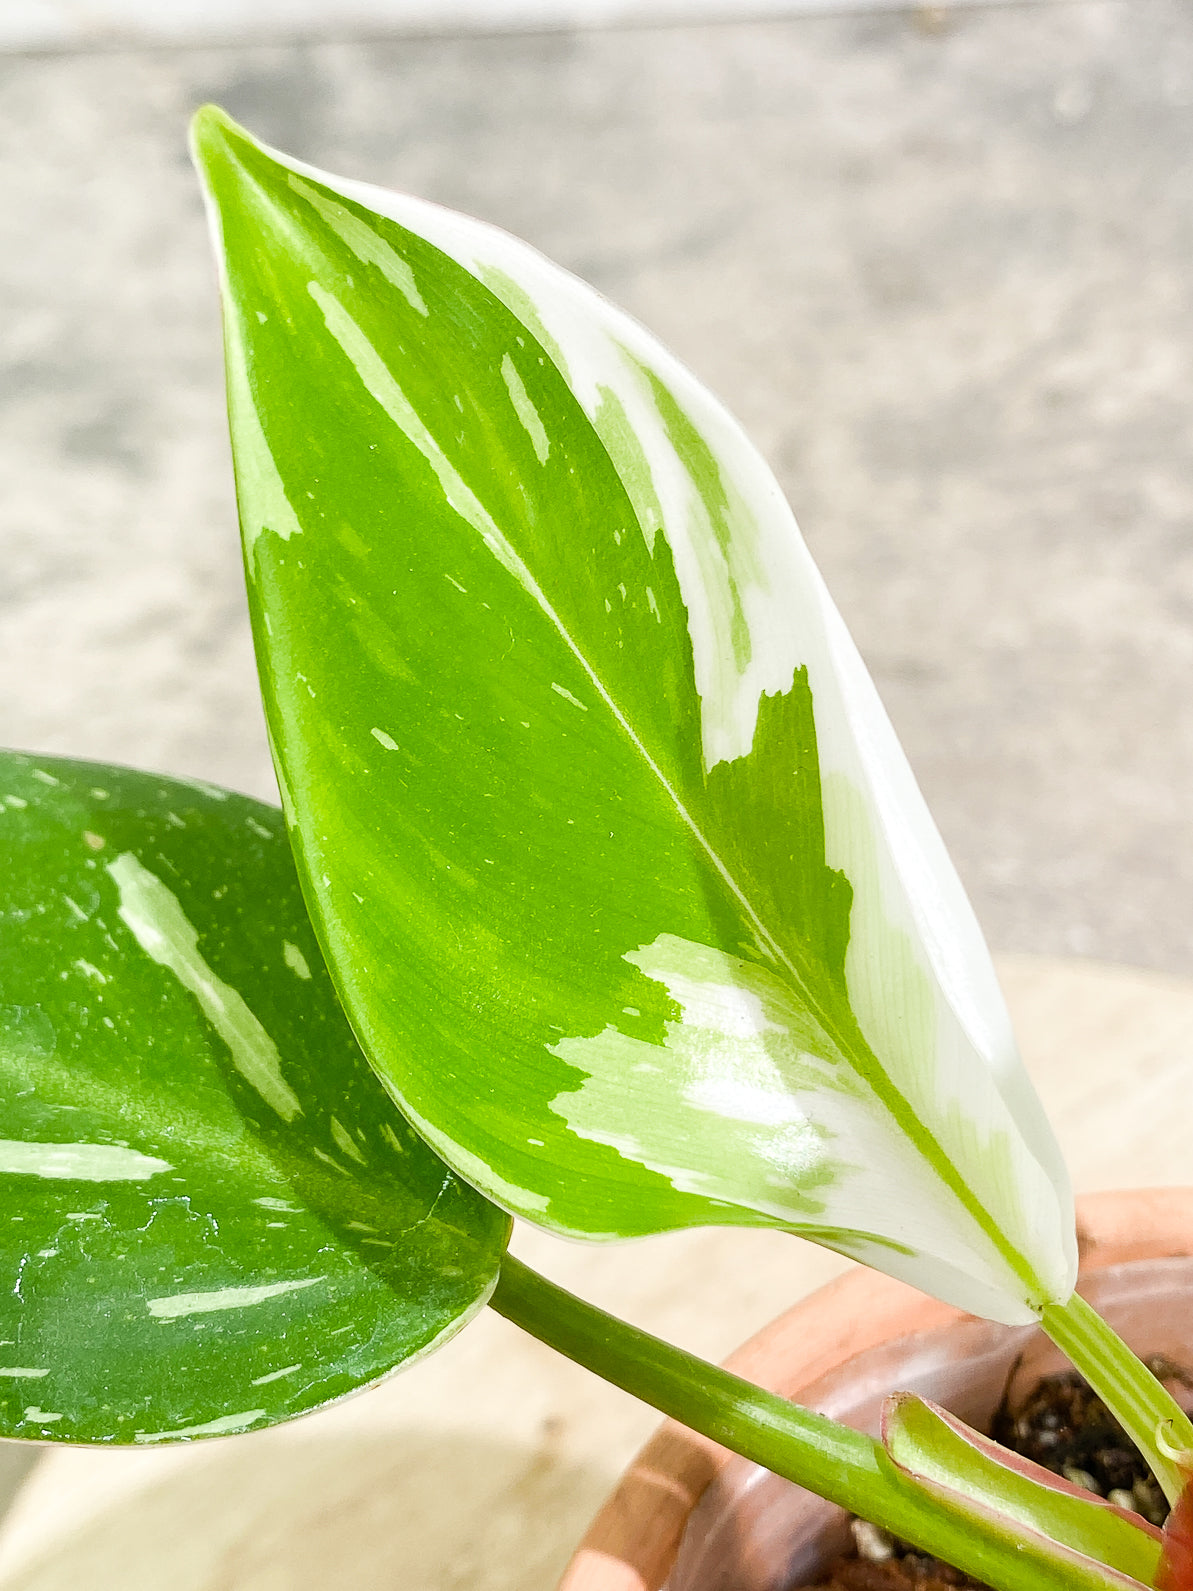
[{"x": 938, "y": 259}]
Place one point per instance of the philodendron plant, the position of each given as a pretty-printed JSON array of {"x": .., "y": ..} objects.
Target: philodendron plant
[{"x": 600, "y": 838}]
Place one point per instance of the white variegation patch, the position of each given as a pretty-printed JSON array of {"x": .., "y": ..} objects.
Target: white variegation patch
[
  {"x": 748, "y": 1102},
  {"x": 380, "y": 384},
  {"x": 365, "y": 244},
  {"x": 220, "y": 1299},
  {"x": 717, "y": 1112},
  {"x": 156, "y": 920},
  {"x": 226, "y": 1425},
  {"x": 525, "y": 410},
  {"x": 78, "y": 1162},
  {"x": 274, "y": 1375},
  {"x": 296, "y": 961},
  {"x": 261, "y": 480}
]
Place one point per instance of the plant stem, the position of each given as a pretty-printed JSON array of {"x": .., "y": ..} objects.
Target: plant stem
[
  {"x": 840, "y": 1464},
  {"x": 1125, "y": 1385}
]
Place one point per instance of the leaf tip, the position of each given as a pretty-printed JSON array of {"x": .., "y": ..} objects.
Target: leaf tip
[{"x": 212, "y": 135}]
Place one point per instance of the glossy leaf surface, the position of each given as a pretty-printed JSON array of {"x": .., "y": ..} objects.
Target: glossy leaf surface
[
  {"x": 212, "y": 1217},
  {"x": 622, "y": 875}
]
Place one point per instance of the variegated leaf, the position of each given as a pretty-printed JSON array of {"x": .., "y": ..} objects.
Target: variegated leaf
[
  {"x": 622, "y": 875},
  {"x": 213, "y": 1217}
]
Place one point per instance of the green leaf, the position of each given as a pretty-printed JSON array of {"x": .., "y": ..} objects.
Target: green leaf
[
  {"x": 965, "y": 1470},
  {"x": 622, "y": 875},
  {"x": 213, "y": 1216}
]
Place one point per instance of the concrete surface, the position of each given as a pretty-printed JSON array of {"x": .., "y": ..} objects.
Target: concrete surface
[
  {"x": 65, "y": 24},
  {"x": 941, "y": 264}
]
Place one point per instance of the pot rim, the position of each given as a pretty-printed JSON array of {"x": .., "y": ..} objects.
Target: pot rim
[{"x": 632, "y": 1543}]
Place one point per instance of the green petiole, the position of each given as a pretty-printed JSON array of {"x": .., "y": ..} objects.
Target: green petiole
[
  {"x": 1126, "y": 1386},
  {"x": 843, "y": 1465}
]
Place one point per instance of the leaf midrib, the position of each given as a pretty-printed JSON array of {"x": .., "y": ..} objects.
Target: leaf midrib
[{"x": 870, "y": 1068}]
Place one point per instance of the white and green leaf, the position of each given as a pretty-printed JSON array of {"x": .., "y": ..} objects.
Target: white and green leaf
[
  {"x": 621, "y": 873},
  {"x": 213, "y": 1217}
]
